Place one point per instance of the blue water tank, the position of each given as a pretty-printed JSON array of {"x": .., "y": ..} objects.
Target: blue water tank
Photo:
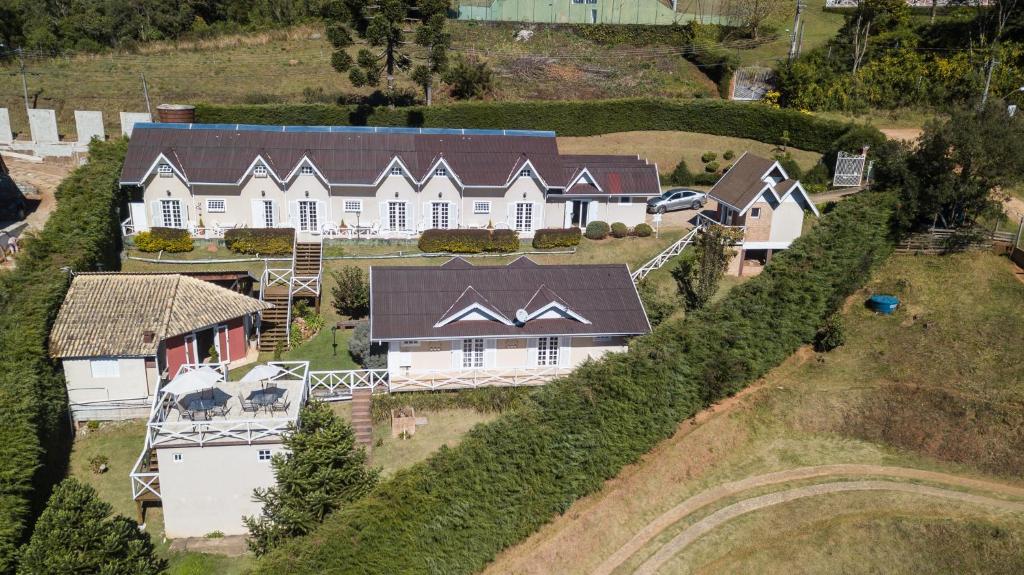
[{"x": 884, "y": 304}]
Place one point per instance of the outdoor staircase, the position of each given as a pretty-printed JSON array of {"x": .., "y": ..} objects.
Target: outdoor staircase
[
  {"x": 279, "y": 287},
  {"x": 362, "y": 418}
]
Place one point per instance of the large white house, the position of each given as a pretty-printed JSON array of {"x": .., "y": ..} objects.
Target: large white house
[
  {"x": 460, "y": 325},
  {"x": 388, "y": 181}
]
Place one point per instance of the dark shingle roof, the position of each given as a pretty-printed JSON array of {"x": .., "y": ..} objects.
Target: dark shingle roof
[
  {"x": 106, "y": 314},
  {"x": 742, "y": 182},
  {"x": 358, "y": 156},
  {"x": 408, "y": 301}
]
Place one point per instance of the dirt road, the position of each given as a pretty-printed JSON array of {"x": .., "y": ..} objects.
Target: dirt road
[{"x": 45, "y": 177}]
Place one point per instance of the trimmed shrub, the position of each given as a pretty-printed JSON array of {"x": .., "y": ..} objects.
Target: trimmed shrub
[
  {"x": 709, "y": 157},
  {"x": 367, "y": 354},
  {"x": 556, "y": 238},
  {"x": 468, "y": 241},
  {"x": 728, "y": 155},
  {"x": 681, "y": 176},
  {"x": 619, "y": 230},
  {"x": 711, "y": 167},
  {"x": 643, "y": 230},
  {"x": 831, "y": 335},
  {"x": 577, "y": 431},
  {"x": 597, "y": 230},
  {"x": 82, "y": 234},
  {"x": 705, "y": 179},
  {"x": 171, "y": 240},
  {"x": 263, "y": 241},
  {"x": 718, "y": 117}
]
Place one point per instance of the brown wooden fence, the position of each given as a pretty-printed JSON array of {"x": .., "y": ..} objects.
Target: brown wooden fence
[{"x": 942, "y": 241}]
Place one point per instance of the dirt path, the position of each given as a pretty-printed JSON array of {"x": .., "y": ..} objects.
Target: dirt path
[
  {"x": 905, "y": 134},
  {"x": 692, "y": 533},
  {"x": 726, "y": 490},
  {"x": 45, "y": 176}
]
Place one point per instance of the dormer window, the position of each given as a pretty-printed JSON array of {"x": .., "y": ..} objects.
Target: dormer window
[
  {"x": 164, "y": 170},
  {"x": 441, "y": 171},
  {"x": 526, "y": 173},
  {"x": 260, "y": 171},
  {"x": 306, "y": 170},
  {"x": 396, "y": 171}
]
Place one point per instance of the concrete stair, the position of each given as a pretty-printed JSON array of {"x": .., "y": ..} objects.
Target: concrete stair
[{"x": 362, "y": 418}]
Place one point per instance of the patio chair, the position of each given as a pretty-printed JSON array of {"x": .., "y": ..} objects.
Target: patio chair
[
  {"x": 186, "y": 414},
  {"x": 331, "y": 230},
  {"x": 375, "y": 229},
  {"x": 249, "y": 406}
]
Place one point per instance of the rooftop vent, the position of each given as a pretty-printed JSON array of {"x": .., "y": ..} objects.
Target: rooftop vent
[{"x": 148, "y": 336}]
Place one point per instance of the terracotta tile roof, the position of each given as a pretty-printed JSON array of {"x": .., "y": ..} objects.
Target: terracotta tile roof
[
  {"x": 742, "y": 183},
  {"x": 107, "y": 314},
  {"x": 406, "y": 302}
]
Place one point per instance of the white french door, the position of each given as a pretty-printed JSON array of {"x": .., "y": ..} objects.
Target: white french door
[
  {"x": 397, "y": 216},
  {"x": 170, "y": 214},
  {"x": 266, "y": 213},
  {"x": 440, "y": 215},
  {"x": 309, "y": 216},
  {"x": 523, "y": 221}
]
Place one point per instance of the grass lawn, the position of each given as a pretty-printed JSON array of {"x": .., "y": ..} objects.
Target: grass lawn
[
  {"x": 667, "y": 148},
  {"x": 819, "y": 27},
  {"x": 935, "y": 387}
]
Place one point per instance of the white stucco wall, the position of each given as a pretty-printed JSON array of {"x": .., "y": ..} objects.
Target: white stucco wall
[
  {"x": 210, "y": 489},
  {"x": 132, "y": 382},
  {"x": 787, "y": 221},
  {"x": 506, "y": 353}
]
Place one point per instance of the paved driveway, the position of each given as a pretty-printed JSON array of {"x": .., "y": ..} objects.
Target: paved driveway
[{"x": 684, "y": 218}]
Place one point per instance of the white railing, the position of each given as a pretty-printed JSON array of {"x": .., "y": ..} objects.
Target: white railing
[
  {"x": 128, "y": 228},
  {"x": 472, "y": 378},
  {"x": 300, "y": 283},
  {"x": 276, "y": 277},
  {"x": 670, "y": 252},
  {"x": 340, "y": 384}
]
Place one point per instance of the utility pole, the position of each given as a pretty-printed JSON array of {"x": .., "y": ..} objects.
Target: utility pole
[
  {"x": 24, "y": 82},
  {"x": 794, "y": 37},
  {"x": 145, "y": 93},
  {"x": 988, "y": 82}
]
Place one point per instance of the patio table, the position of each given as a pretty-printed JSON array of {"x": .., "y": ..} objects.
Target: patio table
[
  {"x": 264, "y": 398},
  {"x": 202, "y": 406}
]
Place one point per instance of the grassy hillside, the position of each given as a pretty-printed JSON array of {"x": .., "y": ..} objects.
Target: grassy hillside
[{"x": 935, "y": 387}]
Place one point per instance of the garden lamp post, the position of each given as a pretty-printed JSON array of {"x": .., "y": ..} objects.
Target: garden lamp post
[{"x": 334, "y": 338}]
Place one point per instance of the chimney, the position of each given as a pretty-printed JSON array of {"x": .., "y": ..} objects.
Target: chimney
[{"x": 148, "y": 336}]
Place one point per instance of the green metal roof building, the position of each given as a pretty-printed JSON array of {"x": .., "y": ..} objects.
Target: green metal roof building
[{"x": 579, "y": 11}]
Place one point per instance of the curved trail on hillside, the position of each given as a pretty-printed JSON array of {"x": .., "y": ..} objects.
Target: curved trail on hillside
[{"x": 705, "y": 498}]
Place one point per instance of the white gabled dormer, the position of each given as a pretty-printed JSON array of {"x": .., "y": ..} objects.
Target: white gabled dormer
[
  {"x": 472, "y": 306},
  {"x": 306, "y": 167},
  {"x": 396, "y": 168},
  {"x": 163, "y": 168},
  {"x": 260, "y": 168},
  {"x": 585, "y": 177},
  {"x": 441, "y": 169},
  {"x": 546, "y": 304}
]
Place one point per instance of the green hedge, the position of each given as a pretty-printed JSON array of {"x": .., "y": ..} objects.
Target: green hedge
[
  {"x": 568, "y": 118},
  {"x": 468, "y": 241},
  {"x": 619, "y": 230},
  {"x": 454, "y": 512},
  {"x": 263, "y": 241},
  {"x": 556, "y": 238},
  {"x": 82, "y": 234},
  {"x": 171, "y": 240}
]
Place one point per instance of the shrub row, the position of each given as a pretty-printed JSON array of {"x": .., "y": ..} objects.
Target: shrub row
[
  {"x": 81, "y": 234},
  {"x": 264, "y": 241},
  {"x": 455, "y": 511},
  {"x": 568, "y": 118},
  {"x": 556, "y": 238},
  {"x": 172, "y": 240},
  {"x": 469, "y": 241}
]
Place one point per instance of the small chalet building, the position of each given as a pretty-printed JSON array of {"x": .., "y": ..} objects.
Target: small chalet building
[
  {"x": 460, "y": 325},
  {"x": 119, "y": 335},
  {"x": 757, "y": 195},
  {"x": 391, "y": 182}
]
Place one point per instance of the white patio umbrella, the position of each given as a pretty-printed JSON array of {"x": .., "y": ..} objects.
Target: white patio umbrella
[
  {"x": 261, "y": 372},
  {"x": 199, "y": 379}
]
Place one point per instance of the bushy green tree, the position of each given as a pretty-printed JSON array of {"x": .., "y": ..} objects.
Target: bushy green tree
[
  {"x": 320, "y": 471},
  {"x": 657, "y": 305},
  {"x": 351, "y": 293},
  {"x": 368, "y": 355},
  {"x": 77, "y": 533},
  {"x": 697, "y": 275},
  {"x": 681, "y": 175},
  {"x": 469, "y": 78}
]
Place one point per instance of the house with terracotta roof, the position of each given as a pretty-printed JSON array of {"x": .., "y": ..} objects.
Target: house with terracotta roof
[
  {"x": 757, "y": 196},
  {"x": 386, "y": 181},
  {"x": 119, "y": 335},
  {"x": 460, "y": 325}
]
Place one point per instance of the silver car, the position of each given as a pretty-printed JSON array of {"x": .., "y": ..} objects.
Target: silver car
[{"x": 676, "y": 199}]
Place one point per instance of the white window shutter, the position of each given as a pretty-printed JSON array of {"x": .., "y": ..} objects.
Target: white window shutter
[
  {"x": 186, "y": 210},
  {"x": 594, "y": 211},
  {"x": 426, "y": 221},
  {"x": 456, "y": 354},
  {"x": 384, "y": 216},
  {"x": 158, "y": 216},
  {"x": 490, "y": 352},
  {"x": 510, "y": 215},
  {"x": 453, "y": 215},
  {"x": 564, "y": 351},
  {"x": 321, "y": 211},
  {"x": 531, "y": 352},
  {"x": 538, "y": 216},
  {"x": 293, "y": 214},
  {"x": 258, "y": 220},
  {"x": 567, "y": 221}
]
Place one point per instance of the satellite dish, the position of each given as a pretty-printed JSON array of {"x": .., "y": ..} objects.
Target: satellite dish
[{"x": 522, "y": 316}]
